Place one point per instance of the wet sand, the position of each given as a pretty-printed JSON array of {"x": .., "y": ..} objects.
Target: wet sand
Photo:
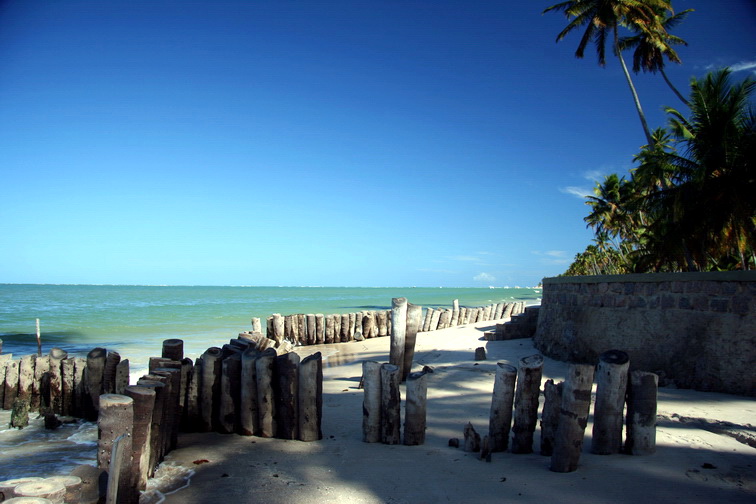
[{"x": 698, "y": 459}]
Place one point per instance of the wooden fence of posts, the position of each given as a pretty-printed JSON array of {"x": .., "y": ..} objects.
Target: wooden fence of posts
[
  {"x": 566, "y": 408},
  {"x": 315, "y": 329},
  {"x": 250, "y": 386}
]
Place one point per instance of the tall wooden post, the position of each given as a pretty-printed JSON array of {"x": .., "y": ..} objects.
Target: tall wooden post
[
  {"x": 526, "y": 403},
  {"x": 390, "y": 404},
  {"x": 56, "y": 380},
  {"x": 611, "y": 385},
  {"x": 319, "y": 328},
  {"x": 67, "y": 379},
  {"x": 95, "y": 371},
  {"x": 285, "y": 389},
  {"x": 144, "y": 406},
  {"x": 266, "y": 406},
  {"x": 641, "y": 413},
  {"x": 329, "y": 329},
  {"x": 209, "y": 397},
  {"x": 41, "y": 366},
  {"x": 415, "y": 407},
  {"x": 552, "y": 405},
  {"x": 230, "y": 396},
  {"x": 398, "y": 332},
  {"x": 249, "y": 424},
  {"x": 116, "y": 420},
  {"x": 573, "y": 418},
  {"x": 109, "y": 373},
  {"x": 414, "y": 314},
  {"x": 371, "y": 402},
  {"x": 156, "y": 442},
  {"x": 500, "y": 418},
  {"x": 455, "y": 313},
  {"x": 310, "y": 397},
  {"x": 11, "y": 383},
  {"x": 192, "y": 404}
]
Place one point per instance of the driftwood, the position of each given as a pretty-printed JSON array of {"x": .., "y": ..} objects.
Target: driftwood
[
  {"x": 371, "y": 402},
  {"x": 526, "y": 403},
  {"x": 608, "y": 412},
  {"x": 500, "y": 418},
  {"x": 641, "y": 413},
  {"x": 310, "y": 397},
  {"x": 390, "y": 404},
  {"x": 573, "y": 418},
  {"x": 415, "y": 408}
]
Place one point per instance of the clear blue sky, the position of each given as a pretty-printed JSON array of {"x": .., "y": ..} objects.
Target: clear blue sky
[{"x": 345, "y": 143}]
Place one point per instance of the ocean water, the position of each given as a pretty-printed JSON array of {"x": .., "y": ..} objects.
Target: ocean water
[{"x": 134, "y": 320}]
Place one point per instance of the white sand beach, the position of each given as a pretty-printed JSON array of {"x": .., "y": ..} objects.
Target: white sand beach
[{"x": 698, "y": 459}]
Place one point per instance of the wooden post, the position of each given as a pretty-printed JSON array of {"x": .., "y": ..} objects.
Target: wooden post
[
  {"x": 56, "y": 380},
  {"x": 444, "y": 319},
  {"x": 80, "y": 394},
  {"x": 209, "y": 393},
  {"x": 329, "y": 329},
  {"x": 41, "y": 366},
  {"x": 116, "y": 421},
  {"x": 285, "y": 388},
  {"x": 310, "y": 397},
  {"x": 192, "y": 404},
  {"x": 434, "y": 319},
  {"x": 72, "y": 485},
  {"x": 319, "y": 328},
  {"x": 455, "y": 313},
  {"x": 311, "y": 329},
  {"x": 121, "y": 376},
  {"x": 426, "y": 319},
  {"x": 158, "y": 419},
  {"x": 230, "y": 394},
  {"x": 611, "y": 385},
  {"x": 415, "y": 407},
  {"x": 367, "y": 324},
  {"x": 171, "y": 407},
  {"x": 40, "y": 491},
  {"x": 472, "y": 439},
  {"x": 39, "y": 340},
  {"x": 26, "y": 376},
  {"x": 11, "y": 383},
  {"x": 301, "y": 319},
  {"x": 391, "y": 400},
  {"x": 398, "y": 332},
  {"x": 144, "y": 406},
  {"x": 500, "y": 418},
  {"x": 573, "y": 418},
  {"x": 265, "y": 397},
  {"x": 552, "y": 404},
  {"x": 344, "y": 331},
  {"x": 352, "y": 322},
  {"x": 526, "y": 403},
  {"x": 249, "y": 424},
  {"x": 414, "y": 314},
  {"x": 20, "y": 413},
  {"x": 379, "y": 325},
  {"x": 95, "y": 370},
  {"x": 371, "y": 402},
  {"x": 173, "y": 349},
  {"x": 641, "y": 413},
  {"x": 68, "y": 378},
  {"x": 109, "y": 374}
]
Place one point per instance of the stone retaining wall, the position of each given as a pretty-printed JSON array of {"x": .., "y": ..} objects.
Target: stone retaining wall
[{"x": 697, "y": 330}]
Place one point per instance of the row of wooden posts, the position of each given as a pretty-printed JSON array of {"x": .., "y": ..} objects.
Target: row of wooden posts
[
  {"x": 249, "y": 387},
  {"x": 314, "y": 329},
  {"x": 514, "y": 409}
]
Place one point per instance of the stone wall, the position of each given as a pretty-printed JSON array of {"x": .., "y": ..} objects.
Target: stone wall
[{"x": 697, "y": 330}]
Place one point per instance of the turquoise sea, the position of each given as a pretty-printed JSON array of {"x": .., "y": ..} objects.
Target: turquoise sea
[{"x": 134, "y": 320}]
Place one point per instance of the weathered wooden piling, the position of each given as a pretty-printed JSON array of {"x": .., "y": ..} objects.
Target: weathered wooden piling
[
  {"x": 390, "y": 404},
  {"x": 311, "y": 329},
  {"x": 72, "y": 485},
  {"x": 56, "y": 380},
  {"x": 156, "y": 442},
  {"x": 109, "y": 373},
  {"x": 209, "y": 392},
  {"x": 191, "y": 416},
  {"x": 319, "y": 328},
  {"x": 502, "y": 400},
  {"x": 455, "y": 313},
  {"x": 95, "y": 371},
  {"x": 116, "y": 420},
  {"x": 41, "y": 366},
  {"x": 344, "y": 331},
  {"x": 230, "y": 394},
  {"x": 642, "y": 392},
  {"x": 371, "y": 402},
  {"x": 415, "y": 408},
  {"x": 310, "y": 397},
  {"x": 573, "y": 418},
  {"x": 144, "y": 406},
  {"x": 256, "y": 324},
  {"x": 526, "y": 403},
  {"x": 249, "y": 424},
  {"x": 552, "y": 405},
  {"x": 398, "y": 332},
  {"x": 608, "y": 412},
  {"x": 285, "y": 389},
  {"x": 39, "y": 491},
  {"x": 173, "y": 416},
  {"x": 11, "y": 383},
  {"x": 81, "y": 396},
  {"x": 173, "y": 349},
  {"x": 414, "y": 314},
  {"x": 435, "y": 316},
  {"x": 121, "y": 376},
  {"x": 68, "y": 377},
  {"x": 26, "y": 376},
  {"x": 266, "y": 406}
]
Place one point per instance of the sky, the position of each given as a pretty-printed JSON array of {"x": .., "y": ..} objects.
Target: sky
[{"x": 329, "y": 143}]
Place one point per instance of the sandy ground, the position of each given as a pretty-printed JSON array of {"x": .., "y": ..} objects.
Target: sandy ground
[{"x": 698, "y": 459}]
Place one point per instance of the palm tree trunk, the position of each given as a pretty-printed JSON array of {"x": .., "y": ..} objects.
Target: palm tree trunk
[
  {"x": 638, "y": 107},
  {"x": 673, "y": 88}
]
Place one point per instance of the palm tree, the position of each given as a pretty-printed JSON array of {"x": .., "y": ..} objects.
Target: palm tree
[
  {"x": 715, "y": 197},
  {"x": 651, "y": 48},
  {"x": 602, "y": 18}
]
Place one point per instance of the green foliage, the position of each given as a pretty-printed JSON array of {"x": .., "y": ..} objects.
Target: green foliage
[{"x": 690, "y": 203}]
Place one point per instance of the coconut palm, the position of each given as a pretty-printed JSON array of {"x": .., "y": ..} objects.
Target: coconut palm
[
  {"x": 714, "y": 200},
  {"x": 602, "y": 18},
  {"x": 651, "y": 48}
]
